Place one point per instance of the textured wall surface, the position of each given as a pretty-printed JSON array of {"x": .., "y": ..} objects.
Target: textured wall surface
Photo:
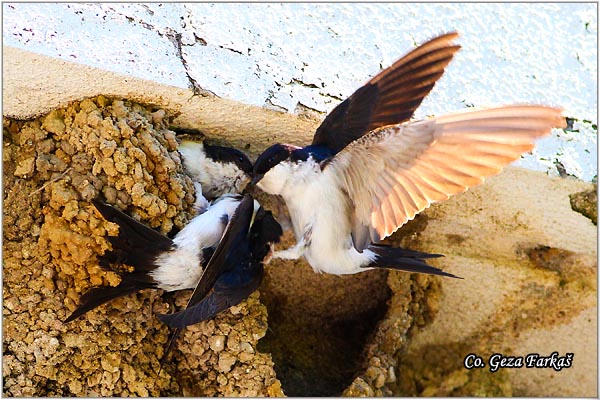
[{"x": 296, "y": 56}]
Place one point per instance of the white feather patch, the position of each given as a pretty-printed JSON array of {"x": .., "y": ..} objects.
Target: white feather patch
[
  {"x": 181, "y": 268},
  {"x": 216, "y": 178}
]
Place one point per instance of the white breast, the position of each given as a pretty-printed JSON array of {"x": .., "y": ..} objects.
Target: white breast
[
  {"x": 181, "y": 268},
  {"x": 318, "y": 201}
]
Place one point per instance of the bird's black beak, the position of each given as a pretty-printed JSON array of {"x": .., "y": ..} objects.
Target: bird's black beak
[{"x": 255, "y": 179}]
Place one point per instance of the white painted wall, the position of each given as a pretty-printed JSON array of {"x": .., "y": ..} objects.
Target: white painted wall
[{"x": 282, "y": 55}]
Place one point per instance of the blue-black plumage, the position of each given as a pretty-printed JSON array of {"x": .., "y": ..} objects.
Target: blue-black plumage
[
  {"x": 236, "y": 268},
  {"x": 234, "y": 271}
]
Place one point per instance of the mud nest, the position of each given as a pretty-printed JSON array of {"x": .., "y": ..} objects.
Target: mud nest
[{"x": 53, "y": 166}]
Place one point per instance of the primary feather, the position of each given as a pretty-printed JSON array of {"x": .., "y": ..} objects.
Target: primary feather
[
  {"x": 393, "y": 173},
  {"x": 391, "y": 97}
]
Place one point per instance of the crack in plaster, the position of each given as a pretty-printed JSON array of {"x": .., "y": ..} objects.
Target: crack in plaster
[{"x": 175, "y": 38}]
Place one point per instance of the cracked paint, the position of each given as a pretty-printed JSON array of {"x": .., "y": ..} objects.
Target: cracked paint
[
  {"x": 193, "y": 85},
  {"x": 291, "y": 57}
]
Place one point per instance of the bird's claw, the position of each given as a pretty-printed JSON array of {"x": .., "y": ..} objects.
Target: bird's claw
[
  {"x": 292, "y": 253},
  {"x": 269, "y": 255},
  {"x": 201, "y": 204}
]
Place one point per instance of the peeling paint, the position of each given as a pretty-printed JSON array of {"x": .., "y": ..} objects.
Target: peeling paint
[{"x": 512, "y": 53}]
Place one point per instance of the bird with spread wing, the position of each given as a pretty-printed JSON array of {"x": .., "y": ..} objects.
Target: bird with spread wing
[{"x": 370, "y": 169}]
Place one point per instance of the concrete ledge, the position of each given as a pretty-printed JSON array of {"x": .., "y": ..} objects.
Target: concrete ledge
[{"x": 35, "y": 84}]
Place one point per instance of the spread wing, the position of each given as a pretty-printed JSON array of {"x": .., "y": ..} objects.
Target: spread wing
[
  {"x": 224, "y": 258},
  {"x": 391, "y": 97},
  {"x": 395, "y": 172}
]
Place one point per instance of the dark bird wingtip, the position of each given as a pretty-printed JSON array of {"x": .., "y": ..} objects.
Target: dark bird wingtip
[
  {"x": 171, "y": 342},
  {"x": 449, "y": 275},
  {"x": 100, "y": 204},
  {"x": 174, "y": 320},
  {"x": 163, "y": 317},
  {"x": 71, "y": 317}
]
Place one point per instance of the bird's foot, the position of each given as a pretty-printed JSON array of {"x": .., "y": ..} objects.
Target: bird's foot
[
  {"x": 269, "y": 255},
  {"x": 201, "y": 204},
  {"x": 293, "y": 253}
]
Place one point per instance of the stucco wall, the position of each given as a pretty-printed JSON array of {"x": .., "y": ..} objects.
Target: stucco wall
[{"x": 297, "y": 56}]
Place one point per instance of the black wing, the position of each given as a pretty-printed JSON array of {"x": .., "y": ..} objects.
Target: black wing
[
  {"x": 243, "y": 274},
  {"x": 136, "y": 245},
  {"x": 389, "y": 98},
  {"x": 232, "y": 250},
  {"x": 99, "y": 295},
  {"x": 237, "y": 283},
  {"x": 229, "y": 290}
]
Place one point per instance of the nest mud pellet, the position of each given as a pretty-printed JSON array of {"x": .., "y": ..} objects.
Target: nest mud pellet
[{"x": 53, "y": 167}]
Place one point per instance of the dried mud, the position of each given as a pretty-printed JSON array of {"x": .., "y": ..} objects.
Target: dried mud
[
  {"x": 328, "y": 335},
  {"x": 53, "y": 167},
  {"x": 586, "y": 203}
]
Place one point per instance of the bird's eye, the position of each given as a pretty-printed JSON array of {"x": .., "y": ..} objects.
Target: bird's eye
[
  {"x": 271, "y": 160},
  {"x": 241, "y": 159}
]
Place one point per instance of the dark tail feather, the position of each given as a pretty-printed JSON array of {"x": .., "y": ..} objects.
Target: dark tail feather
[
  {"x": 405, "y": 260},
  {"x": 172, "y": 339},
  {"x": 100, "y": 295},
  {"x": 137, "y": 245}
]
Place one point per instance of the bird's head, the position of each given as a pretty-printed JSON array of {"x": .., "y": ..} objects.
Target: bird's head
[
  {"x": 229, "y": 155},
  {"x": 230, "y": 164},
  {"x": 220, "y": 170},
  {"x": 273, "y": 167},
  {"x": 264, "y": 232}
]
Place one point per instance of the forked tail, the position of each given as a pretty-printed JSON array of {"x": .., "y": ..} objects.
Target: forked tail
[
  {"x": 405, "y": 260},
  {"x": 136, "y": 245},
  {"x": 99, "y": 295}
]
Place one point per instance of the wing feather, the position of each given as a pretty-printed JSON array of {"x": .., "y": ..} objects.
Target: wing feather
[
  {"x": 435, "y": 190},
  {"x": 395, "y": 172},
  {"x": 419, "y": 199},
  {"x": 391, "y": 97},
  {"x": 394, "y": 197},
  {"x": 447, "y": 179}
]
